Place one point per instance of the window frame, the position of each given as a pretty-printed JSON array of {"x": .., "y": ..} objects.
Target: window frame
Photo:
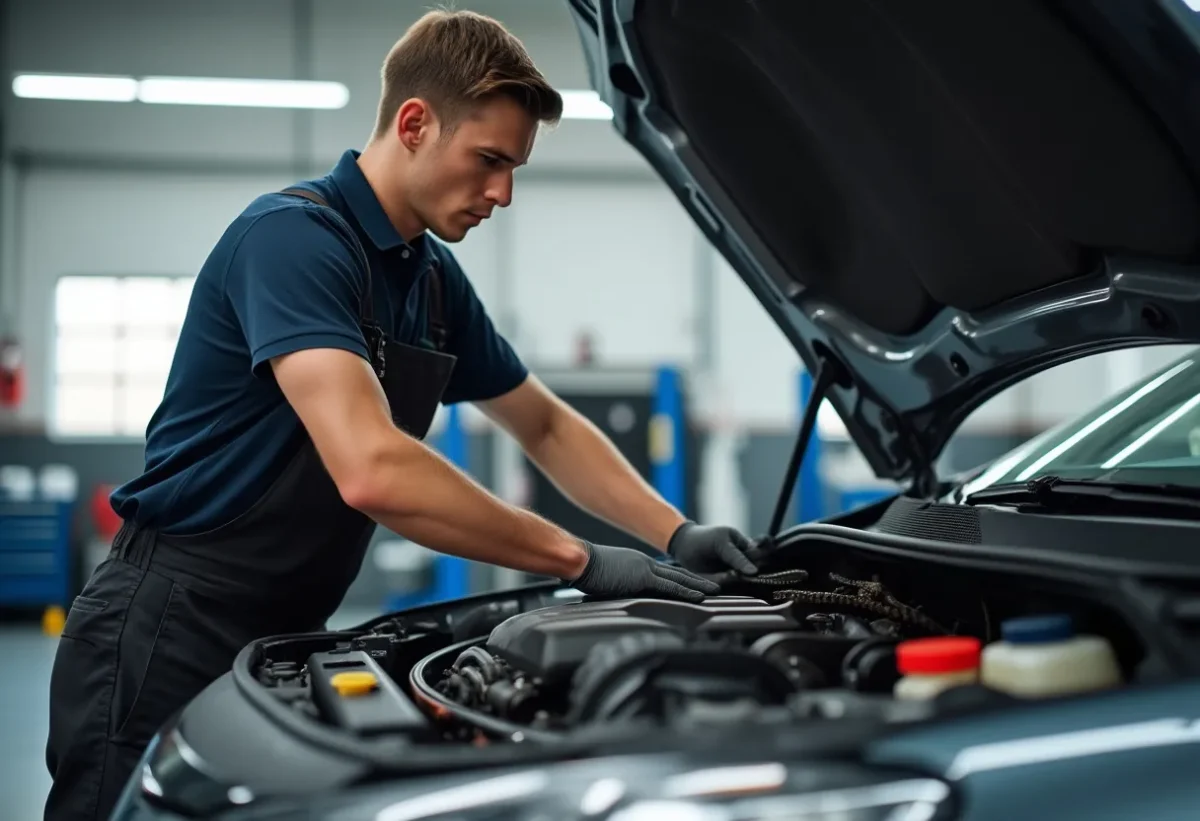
[{"x": 51, "y": 389}]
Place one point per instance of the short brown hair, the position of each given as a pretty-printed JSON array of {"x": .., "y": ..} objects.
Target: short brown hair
[{"x": 454, "y": 59}]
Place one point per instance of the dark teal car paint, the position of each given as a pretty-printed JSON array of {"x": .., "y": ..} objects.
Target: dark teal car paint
[{"x": 1121, "y": 755}]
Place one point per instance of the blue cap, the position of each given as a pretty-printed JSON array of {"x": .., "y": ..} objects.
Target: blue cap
[{"x": 1038, "y": 629}]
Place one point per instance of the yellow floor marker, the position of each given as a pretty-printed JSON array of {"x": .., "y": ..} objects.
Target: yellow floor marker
[{"x": 53, "y": 619}]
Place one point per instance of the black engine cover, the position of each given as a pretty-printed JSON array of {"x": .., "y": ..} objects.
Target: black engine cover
[{"x": 551, "y": 642}]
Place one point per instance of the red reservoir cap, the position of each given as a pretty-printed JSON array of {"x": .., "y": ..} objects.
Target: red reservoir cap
[{"x": 951, "y": 654}]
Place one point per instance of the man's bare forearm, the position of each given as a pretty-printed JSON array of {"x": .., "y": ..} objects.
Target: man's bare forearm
[
  {"x": 412, "y": 490},
  {"x": 585, "y": 465}
]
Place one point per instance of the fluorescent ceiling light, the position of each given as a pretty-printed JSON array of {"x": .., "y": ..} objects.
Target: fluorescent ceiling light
[
  {"x": 75, "y": 87},
  {"x": 183, "y": 90},
  {"x": 584, "y": 105},
  {"x": 235, "y": 92},
  {"x": 232, "y": 91}
]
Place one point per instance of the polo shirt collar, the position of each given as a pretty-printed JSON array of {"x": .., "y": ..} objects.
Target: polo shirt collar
[{"x": 363, "y": 203}]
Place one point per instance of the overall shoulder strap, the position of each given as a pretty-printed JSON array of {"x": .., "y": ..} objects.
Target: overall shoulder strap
[
  {"x": 437, "y": 307},
  {"x": 368, "y": 302},
  {"x": 304, "y": 193}
]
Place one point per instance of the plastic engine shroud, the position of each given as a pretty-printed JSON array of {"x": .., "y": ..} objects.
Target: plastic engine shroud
[{"x": 551, "y": 642}]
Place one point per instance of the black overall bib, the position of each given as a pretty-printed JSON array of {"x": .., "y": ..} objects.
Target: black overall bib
[{"x": 164, "y": 615}]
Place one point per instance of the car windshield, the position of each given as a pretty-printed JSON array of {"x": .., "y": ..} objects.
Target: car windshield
[{"x": 1148, "y": 434}]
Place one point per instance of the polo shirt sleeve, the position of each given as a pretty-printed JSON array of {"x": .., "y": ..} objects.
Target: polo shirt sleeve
[
  {"x": 295, "y": 283},
  {"x": 487, "y": 365}
]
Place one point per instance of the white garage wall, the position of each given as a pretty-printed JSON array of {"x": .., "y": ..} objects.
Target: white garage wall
[
  {"x": 75, "y": 223},
  {"x": 756, "y": 367},
  {"x": 614, "y": 260}
]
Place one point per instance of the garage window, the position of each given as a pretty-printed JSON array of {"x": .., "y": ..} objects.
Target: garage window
[{"x": 113, "y": 341}]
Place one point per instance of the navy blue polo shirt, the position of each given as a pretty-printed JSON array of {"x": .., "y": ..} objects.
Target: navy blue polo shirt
[{"x": 285, "y": 277}]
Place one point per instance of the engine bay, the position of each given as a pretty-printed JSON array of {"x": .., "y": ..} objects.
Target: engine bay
[
  {"x": 729, "y": 658},
  {"x": 789, "y": 645}
]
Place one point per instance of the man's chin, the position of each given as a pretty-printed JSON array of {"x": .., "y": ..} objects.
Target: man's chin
[{"x": 450, "y": 233}]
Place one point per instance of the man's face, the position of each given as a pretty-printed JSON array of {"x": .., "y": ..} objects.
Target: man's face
[{"x": 455, "y": 181}]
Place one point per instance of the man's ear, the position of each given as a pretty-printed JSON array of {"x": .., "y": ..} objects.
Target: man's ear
[{"x": 414, "y": 123}]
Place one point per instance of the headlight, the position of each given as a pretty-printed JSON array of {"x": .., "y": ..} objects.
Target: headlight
[{"x": 171, "y": 775}]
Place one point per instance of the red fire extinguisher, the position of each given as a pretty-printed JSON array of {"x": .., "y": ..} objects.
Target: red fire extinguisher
[{"x": 12, "y": 373}]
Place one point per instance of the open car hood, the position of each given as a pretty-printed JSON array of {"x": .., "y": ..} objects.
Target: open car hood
[{"x": 940, "y": 198}]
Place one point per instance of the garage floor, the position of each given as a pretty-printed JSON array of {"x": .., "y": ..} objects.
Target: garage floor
[{"x": 27, "y": 657}]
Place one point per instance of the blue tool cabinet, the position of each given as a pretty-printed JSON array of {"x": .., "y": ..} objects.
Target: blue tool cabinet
[{"x": 35, "y": 553}]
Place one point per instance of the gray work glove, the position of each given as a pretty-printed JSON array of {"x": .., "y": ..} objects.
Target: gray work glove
[
  {"x": 711, "y": 549},
  {"x": 620, "y": 572}
]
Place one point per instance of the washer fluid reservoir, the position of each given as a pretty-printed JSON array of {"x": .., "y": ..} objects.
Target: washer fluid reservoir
[{"x": 1042, "y": 657}]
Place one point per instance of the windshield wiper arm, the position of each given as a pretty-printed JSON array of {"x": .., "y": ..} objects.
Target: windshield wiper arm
[{"x": 1053, "y": 493}]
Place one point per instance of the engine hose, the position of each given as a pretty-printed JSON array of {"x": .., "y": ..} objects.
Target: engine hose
[
  {"x": 479, "y": 684},
  {"x": 455, "y": 688},
  {"x": 896, "y": 612},
  {"x": 780, "y": 578},
  {"x": 480, "y": 658}
]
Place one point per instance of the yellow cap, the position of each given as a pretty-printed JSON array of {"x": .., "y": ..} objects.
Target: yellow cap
[{"x": 357, "y": 683}]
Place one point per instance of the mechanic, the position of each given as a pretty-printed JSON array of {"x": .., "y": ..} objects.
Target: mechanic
[{"x": 323, "y": 331}]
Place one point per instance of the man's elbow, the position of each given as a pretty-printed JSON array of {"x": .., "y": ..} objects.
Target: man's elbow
[
  {"x": 361, "y": 491},
  {"x": 372, "y": 481}
]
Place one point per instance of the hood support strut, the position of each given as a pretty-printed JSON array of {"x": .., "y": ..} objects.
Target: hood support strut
[{"x": 827, "y": 375}]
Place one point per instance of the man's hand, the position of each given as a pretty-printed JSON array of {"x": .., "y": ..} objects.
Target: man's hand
[
  {"x": 711, "y": 549},
  {"x": 620, "y": 572}
]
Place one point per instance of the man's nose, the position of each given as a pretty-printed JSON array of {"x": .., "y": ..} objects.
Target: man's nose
[{"x": 500, "y": 191}]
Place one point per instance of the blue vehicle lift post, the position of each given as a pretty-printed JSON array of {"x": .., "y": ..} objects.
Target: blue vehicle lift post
[
  {"x": 667, "y": 432},
  {"x": 451, "y": 574}
]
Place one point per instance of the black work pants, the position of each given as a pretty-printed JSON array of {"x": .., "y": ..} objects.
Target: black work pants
[{"x": 136, "y": 647}]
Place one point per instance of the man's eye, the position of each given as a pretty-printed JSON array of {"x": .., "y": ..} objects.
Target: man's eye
[{"x": 489, "y": 161}]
